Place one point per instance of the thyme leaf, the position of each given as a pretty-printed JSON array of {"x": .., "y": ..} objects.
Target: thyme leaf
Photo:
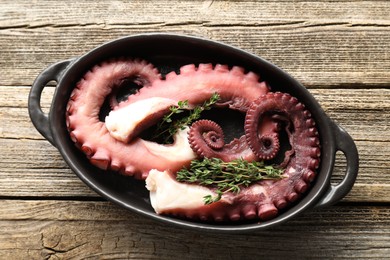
[
  {"x": 227, "y": 176},
  {"x": 169, "y": 126}
]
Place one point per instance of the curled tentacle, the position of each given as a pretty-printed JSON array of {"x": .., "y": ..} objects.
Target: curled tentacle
[
  {"x": 300, "y": 127},
  {"x": 205, "y": 136},
  {"x": 268, "y": 147},
  {"x": 206, "y": 139},
  {"x": 264, "y": 141},
  {"x": 303, "y": 159}
]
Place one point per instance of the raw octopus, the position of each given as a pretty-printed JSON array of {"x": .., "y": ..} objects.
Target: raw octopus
[{"x": 116, "y": 143}]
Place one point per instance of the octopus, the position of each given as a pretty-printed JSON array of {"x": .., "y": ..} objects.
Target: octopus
[{"x": 116, "y": 143}]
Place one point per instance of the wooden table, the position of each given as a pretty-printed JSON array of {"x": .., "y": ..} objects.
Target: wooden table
[{"x": 340, "y": 50}]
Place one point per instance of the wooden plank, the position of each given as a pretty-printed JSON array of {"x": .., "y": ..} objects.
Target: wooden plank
[
  {"x": 35, "y": 168},
  {"x": 315, "y": 56},
  {"x": 365, "y": 113},
  {"x": 30, "y": 166},
  {"x": 359, "y": 111},
  {"x": 15, "y": 122},
  {"x": 71, "y": 229},
  {"x": 39, "y": 14},
  {"x": 338, "y": 49},
  {"x": 39, "y": 170},
  {"x": 319, "y": 46}
]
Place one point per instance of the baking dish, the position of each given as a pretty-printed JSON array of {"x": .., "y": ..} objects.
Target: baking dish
[{"x": 168, "y": 52}]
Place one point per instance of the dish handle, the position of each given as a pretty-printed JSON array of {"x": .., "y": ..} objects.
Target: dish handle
[
  {"x": 345, "y": 144},
  {"x": 39, "y": 118}
]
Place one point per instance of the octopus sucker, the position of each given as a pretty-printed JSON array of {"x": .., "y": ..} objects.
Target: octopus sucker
[
  {"x": 100, "y": 159},
  {"x": 129, "y": 170},
  {"x": 292, "y": 197},
  {"x": 117, "y": 142},
  {"x": 280, "y": 203},
  {"x": 225, "y": 68},
  {"x": 205, "y": 67},
  {"x": 249, "y": 211},
  {"x": 187, "y": 69},
  {"x": 171, "y": 75},
  {"x": 309, "y": 176},
  {"x": 115, "y": 166},
  {"x": 239, "y": 71},
  {"x": 87, "y": 149},
  {"x": 300, "y": 186},
  {"x": 267, "y": 211},
  {"x": 235, "y": 214}
]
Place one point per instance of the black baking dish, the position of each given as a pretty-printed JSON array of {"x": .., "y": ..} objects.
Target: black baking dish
[{"x": 167, "y": 52}]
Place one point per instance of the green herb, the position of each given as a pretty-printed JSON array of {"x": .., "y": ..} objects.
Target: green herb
[
  {"x": 226, "y": 176},
  {"x": 168, "y": 126}
]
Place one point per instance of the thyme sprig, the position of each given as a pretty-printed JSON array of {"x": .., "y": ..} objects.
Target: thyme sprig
[
  {"x": 169, "y": 126},
  {"x": 226, "y": 176}
]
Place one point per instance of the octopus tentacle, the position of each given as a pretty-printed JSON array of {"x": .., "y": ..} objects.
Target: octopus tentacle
[
  {"x": 128, "y": 153},
  {"x": 116, "y": 143},
  {"x": 197, "y": 84},
  {"x": 304, "y": 158},
  {"x": 143, "y": 74},
  {"x": 210, "y": 132},
  {"x": 206, "y": 138},
  {"x": 264, "y": 145},
  {"x": 262, "y": 200},
  {"x": 92, "y": 137}
]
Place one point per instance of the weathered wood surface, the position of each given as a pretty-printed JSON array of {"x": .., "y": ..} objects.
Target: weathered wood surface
[
  {"x": 322, "y": 44},
  {"x": 72, "y": 229},
  {"x": 338, "y": 49},
  {"x": 359, "y": 111}
]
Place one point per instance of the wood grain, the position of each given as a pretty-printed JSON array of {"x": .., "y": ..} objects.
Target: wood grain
[
  {"x": 313, "y": 57},
  {"x": 71, "y": 229},
  {"x": 24, "y": 150},
  {"x": 346, "y": 44},
  {"x": 338, "y": 49},
  {"x": 39, "y": 14}
]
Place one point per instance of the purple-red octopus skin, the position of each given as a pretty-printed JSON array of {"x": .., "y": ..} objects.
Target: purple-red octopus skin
[
  {"x": 207, "y": 140},
  {"x": 264, "y": 200},
  {"x": 196, "y": 84},
  {"x": 239, "y": 90}
]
